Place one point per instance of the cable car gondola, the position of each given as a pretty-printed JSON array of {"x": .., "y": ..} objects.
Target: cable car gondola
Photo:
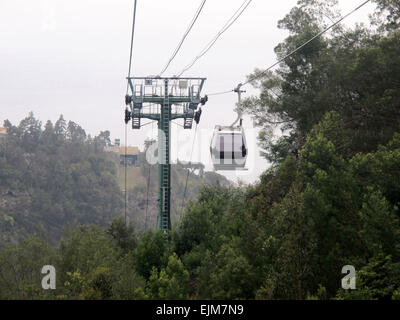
[
  {"x": 228, "y": 148},
  {"x": 228, "y": 145}
]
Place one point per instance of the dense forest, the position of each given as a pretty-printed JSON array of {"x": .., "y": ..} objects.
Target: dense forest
[
  {"x": 330, "y": 198},
  {"x": 57, "y": 175},
  {"x": 52, "y": 175}
]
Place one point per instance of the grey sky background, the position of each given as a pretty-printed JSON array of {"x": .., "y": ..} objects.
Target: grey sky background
[{"x": 71, "y": 58}]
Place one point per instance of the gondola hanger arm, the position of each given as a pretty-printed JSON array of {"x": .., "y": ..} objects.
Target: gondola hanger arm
[{"x": 239, "y": 92}]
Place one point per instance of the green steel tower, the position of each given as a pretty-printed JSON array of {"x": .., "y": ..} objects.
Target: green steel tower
[{"x": 163, "y": 100}]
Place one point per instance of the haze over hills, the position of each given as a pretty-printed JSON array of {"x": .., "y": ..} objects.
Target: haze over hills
[
  {"x": 329, "y": 202},
  {"x": 57, "y": 175},
  {"x": 137, "y": 185}
]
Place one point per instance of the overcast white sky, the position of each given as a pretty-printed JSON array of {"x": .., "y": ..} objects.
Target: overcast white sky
[{"x": 71, "y": 58}]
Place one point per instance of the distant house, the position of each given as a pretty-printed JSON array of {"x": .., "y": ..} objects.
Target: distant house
[
  {"x": 131, "y": 158},
  {"x": 3, "y": 133},
  {"x": 112, "y": 148},
  {"x": 132, "y": 153}
]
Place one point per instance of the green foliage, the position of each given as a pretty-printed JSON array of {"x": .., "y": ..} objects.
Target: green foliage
[
  {"x": 20, "y": 269},
  {"x": 351, "y": 72},
  {"x": 376, "y": 280},
  {"x": 122, "y": 234},
  {"x": 388, "y": 15},
  {"x": 151, "y": 252},
  {"x": 227, "y": 275},
  {"x": 331, "y": 197},
  {"x": 53, "y": 176},
  {"x": 171, "y": 282}
]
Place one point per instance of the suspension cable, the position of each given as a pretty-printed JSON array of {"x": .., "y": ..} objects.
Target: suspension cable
[
  {"x": 125, "y": 167},
  {"x": 226, "y": 26},
  {"x": 126, "y": 124},
  {"x": 177, "y": 124},
  {"x": 297, "y": 49},
  {"x": 131, "y": 51},
  {"x": 188, "y": 170},
  {"x": 147, "y": 196},
  {"x": 148, "y": 182},
  {"x": 219, "y": 93},
  {"x": 147, "y": 123},
  {"x": 184, "y": 37},
  {"x": 306, "y": 43}
]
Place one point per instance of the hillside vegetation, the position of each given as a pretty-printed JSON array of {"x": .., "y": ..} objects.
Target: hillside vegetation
[
  {"x": 56, "y": 176},
  {"x": 331, "y": 197},
  {"x": 143, "y": 180}
]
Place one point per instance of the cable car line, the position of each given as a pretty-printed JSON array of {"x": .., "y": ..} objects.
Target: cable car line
[
  {"x": 226, "y": 26},
  {"x": 125, "y": 165},
  {"x": 126, "y": 118},
  {"x": 228, "y": 145},
  {"x": 147, "y": 123},
  {"x": 307, "y": 42},
  {"x": 297, "y": 49},
  {"x": 178, "y": 124},
  {"x": 132, "y": 40},
  {"x": 188, "y": 170},
  {"x": 147, "y": 196},
  {"x": 219, "y": 93},
  {"x": 148, "y": 180},
  {"x": 184, "y": 37}
]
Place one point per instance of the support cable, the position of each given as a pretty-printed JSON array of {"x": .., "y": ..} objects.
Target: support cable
[
  {"x": 184, "y": 37},
  {"x": 148, "y": 181},
  {"x": 226, "y": 26},
  {"x": 188, "y": 170},
  {"x": 132, "y": 38},
  {"x": 126, "y": 123},
  {"x": 219, "y": 93},
  {"x": 125, "y": 165},
  {"x": 306, "y": 43},
  {"x": 297, "y": 49}
]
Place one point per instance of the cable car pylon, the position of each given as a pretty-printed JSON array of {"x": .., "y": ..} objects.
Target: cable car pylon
[{"x": 174, "y": 98}]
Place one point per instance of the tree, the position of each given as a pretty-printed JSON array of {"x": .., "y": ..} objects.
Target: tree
[
  {"x": 387, "y": 16},
  {"x": 151, "y": 252},
  {"x": 75, "y": 133},
  {"x": 20, "y": 269},
  {"x": 354, "y": 73},
  {"x": 171, "y": 282},
  {"x": 30, "y": 131},
  {"x": 60, "y": 128},
  {"x": 123, "y": 234}
]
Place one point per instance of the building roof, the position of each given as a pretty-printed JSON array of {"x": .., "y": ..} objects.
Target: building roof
[
  {"x": 129, "y": 150},
  {"x": 114, "y": 149}
]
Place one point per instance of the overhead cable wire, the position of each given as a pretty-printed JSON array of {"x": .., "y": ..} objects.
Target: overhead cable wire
[
  {"x": 296, "y": 50},
  {"x": 219, "y": 93},
  {"x": 125, "y": 171},
  {"x": 126, "y": 124},
  {"x": 147, "y": 123},
  {"x": 147, "y": 196},
  {"x": 306, "y": 43},
  {"x": 148, "y": 180},
  {"x": 132, "y": 40},
  {"x": 177, "y": 124},
  {"x": 188, "y": 170},
  {"x": 226, "y": 26},
  {"x": 184, "y": 37}
]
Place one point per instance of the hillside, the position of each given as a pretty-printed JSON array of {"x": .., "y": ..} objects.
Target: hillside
[
  {"x": 322, "y": 222},
  {"x": 137, "y": 178},
  {"x": 57, "y": 175}
]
